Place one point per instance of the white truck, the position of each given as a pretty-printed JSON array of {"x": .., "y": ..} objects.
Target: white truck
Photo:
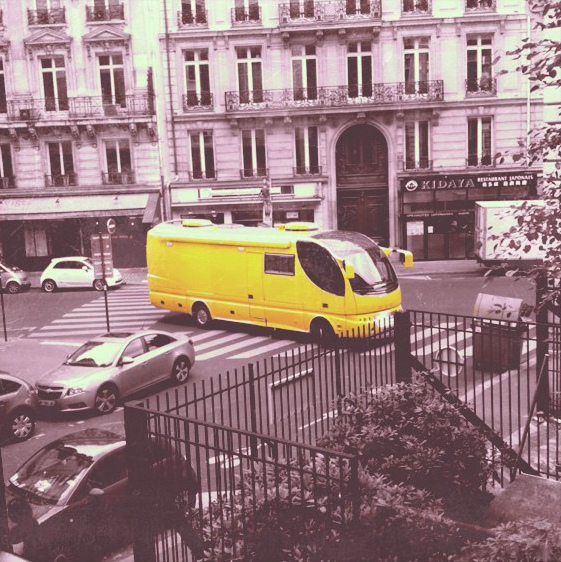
[{"x": 495, "y": 228}]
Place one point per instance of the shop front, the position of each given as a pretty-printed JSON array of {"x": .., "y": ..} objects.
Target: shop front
[{"x": 438, "y": 211}]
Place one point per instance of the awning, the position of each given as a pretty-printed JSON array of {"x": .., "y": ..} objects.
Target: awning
[{"x": 152, "y": 211}]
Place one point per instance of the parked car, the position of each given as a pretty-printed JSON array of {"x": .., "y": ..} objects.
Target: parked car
[
  {"x": 18, "y": 407},
  {"x": 75, "y": 272},
  {"x": 70, "y": 501},
  {"x": 14, "y": 280},
  {"x": 115, "y": 365}
]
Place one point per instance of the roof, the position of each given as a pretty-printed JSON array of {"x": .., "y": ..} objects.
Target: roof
[
  {"x": 93, "y": 442},
  {"x": 70, "y": 258}
]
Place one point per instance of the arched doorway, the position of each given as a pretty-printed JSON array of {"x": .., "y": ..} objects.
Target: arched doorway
[{"x": 361, "y": 157}]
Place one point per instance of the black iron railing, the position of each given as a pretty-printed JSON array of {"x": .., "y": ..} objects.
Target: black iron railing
[
  {"x": 416, "y": 7},
  {"x": 254, "y": 172},
  {"x": 7, "y": 182},
  {"x": 118, "y": 178},
  {"x": 47, "y": 16},
  {"x": 60, "y": 180},
  {"x": 195, "y": 102},
  {"x": 329, "y": 11},
  {"x": 186, "y": 17},
  {"x": 202, "y": 175},
  {"x": 24, "y": 110},
  {"x": 481, "y": 5},
  {"x": 306, "y": 170},
  {"x": 105, "y": 13},
  {"x": 481, "y": 86},
  {"x": 246, "y": 16},
  {"x": 121, "y": 106},
  {"x": 480, "y": 161},
  {"x": 421, "y": 164},
  {"x": 335, "y": 96}
]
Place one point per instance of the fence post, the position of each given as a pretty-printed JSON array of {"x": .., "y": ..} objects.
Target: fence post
[
  {"x": 252, "y": 411},
  {"x": 139, "y": 468},
  {"x": 542, "y": 341},
  {"x": 402, "y": 341},
  {"x": 338, "y": 383}
]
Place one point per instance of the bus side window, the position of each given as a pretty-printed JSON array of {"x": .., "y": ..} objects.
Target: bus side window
[{"x": 320, "y": 266}]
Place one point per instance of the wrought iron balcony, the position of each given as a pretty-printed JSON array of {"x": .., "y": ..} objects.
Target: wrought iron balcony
[
  {"x": 46, "y": 16},
  {"x": 416, "y": 7},
  {"x": 246, "y": 16},
  {"x": 61, "y": 180},
  {"x": 254, "y": 173},
  {"x": 306, "y": 170},
  {"x": 122, "y": 106},
  {"x": 186, "y": 17},
  {"x": 196, "y": 102},
  {"x": 412, "y": 164},
  {"x": 8, "y": 182},
  {"x": 23, "y": 110},
  {"x": 105, "y": 13},
  {"x": 335, "y": 96},
  {"x": 197, "y": 175},
  {"x": 328, "y": 11},
  {"x": 481, "y": 87},
  {"x": 483, "y": 161},
  {"x": 118, "y": 178},
  {"x": 481, "y": 6}
]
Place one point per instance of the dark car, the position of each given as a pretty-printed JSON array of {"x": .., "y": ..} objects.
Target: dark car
[
  {"x": 18, "y": 407},
  {"x": 70, "y": 500}
]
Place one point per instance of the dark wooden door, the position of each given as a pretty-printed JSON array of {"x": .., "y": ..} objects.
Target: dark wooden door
[{"x": 364, "y": 210}]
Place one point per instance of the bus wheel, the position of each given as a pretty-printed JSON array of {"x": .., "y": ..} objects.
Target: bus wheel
[
  {"x": 202, "y": 315},
  {"x": 322, "y": 332}
]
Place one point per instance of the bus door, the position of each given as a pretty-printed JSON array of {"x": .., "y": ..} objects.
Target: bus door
[{"x": 255, "y": 285}]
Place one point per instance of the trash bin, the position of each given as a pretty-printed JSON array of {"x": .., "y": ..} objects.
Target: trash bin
[{"x": 497, "y": 331}]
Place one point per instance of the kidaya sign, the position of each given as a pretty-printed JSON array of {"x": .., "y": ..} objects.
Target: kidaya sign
[{"x": 527, "y": 181}]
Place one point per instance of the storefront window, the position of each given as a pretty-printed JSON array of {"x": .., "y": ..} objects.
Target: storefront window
[{"x": 416, "y": 202}]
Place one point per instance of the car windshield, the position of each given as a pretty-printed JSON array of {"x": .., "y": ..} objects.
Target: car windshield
[
  {"x": 373, "y": 271},
  {"x": 52, "y": 474},
  {"x": 95, "y": 354}
]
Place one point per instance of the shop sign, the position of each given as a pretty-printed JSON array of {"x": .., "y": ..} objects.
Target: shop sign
[
  {"x": 438, "y": 214},
  {"x": 209, "y": 193},
  {"x": 464, "y": 181},
  {"x": 415, "y": 228}
]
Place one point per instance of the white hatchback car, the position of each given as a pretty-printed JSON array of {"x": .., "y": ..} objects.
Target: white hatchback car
[{"x": 75, "y": 272}]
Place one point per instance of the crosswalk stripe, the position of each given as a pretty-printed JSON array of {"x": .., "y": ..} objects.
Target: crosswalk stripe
[
  {"x": 219, "y": 341},
  {"x": 222, "y": 350},
  {"x": 76, "y": 323},
  {"x": 66, "y": 334},
  {"x": 118, "y": 314},
  {"x": 208, "y": 334},
  {"x": 101, "y": 325},
  {"x": 262, "y": 349}
]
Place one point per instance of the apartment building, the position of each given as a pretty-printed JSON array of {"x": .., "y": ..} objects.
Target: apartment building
[
  {"x": 381, "y": 116},
  {"x": 78, "y": 136}
]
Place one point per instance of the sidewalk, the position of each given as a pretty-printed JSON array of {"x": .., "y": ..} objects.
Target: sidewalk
[{"x": 459, "y": 268}]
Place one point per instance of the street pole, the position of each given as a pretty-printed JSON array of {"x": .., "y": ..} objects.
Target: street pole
[
  {"x": 542, "y": 345},
  {"x": 267, "y": 203},
  {"x": 3, "y": 309},
  {"x": 104, "y": 281}
]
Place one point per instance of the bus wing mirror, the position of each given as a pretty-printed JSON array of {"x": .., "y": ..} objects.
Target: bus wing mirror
[{"x": 349, "y": 271}]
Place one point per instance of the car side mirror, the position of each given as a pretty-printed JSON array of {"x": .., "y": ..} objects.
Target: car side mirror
[
  {"x": 85, "y": 268},
  {"x": 126, "y": 360},
  {"x": 96, "y": 492},
  {"x": 349, "y": 271}
]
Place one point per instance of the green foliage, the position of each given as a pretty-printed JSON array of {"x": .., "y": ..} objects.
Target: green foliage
[{"x": 525, "y": 541}]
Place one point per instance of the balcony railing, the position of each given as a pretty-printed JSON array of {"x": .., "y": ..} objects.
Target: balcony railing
[
  {"x": 8, "y": 182},
  {"x": 481, "y": 87},
  {"x": 60, "y": 180},
  {"x": 195, "y": 102},
  {"x": 254, "y": 173},
  {"x": 416, "y": 7},
  {"x": 335, "y": 96},
  {"x": 23, "y": 110},
  {"x": 421, "y": 164},
  {"x": 118, "y": 178},
  {"x": 105, "y": 13},
  {"x": 197, "y": 175},
  {"x": 46, "y": 16},
  {"x": 306, "y": 170},
  {"x": 246, "y": 16},
  {"x": 186, "y": 17},
  {"x": 483, "y": 161},
  {"x": 329, "y": 11},
  {"x": 481, "y": 5}
]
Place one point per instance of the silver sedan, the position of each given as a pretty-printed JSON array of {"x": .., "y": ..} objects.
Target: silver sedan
[{"x": 113, "y": 366}]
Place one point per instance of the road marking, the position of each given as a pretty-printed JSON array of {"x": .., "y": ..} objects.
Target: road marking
[
  {"x": 84, "y": 316},
  {"x": 205, "y": 335},
  {"x": 219, "y": 341},
  {"x": 226, "y": 349},
  {"x": 77, "y": 333},
  {"x": 262, "y": 349},
  {"x": 71, "y": 343}
]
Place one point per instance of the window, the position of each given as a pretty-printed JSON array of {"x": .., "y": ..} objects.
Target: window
[
  {"x": 250, "y": 84},
  {"x": 193, "y": 11},
  {"x": 246, "y": 10},
  {"x": 48, "y": 12},
  {"x": 306, "y": 150},
  {"x": 54, "y": 84},
  {"x": 479, "y": 142},
  {"x": 319, "y": 265},
  {"x": 106, "y": 472},
  {"x": 480, "y": 4},
  {"x": 6, "y": 169},
  {"x": 37, "y": 243},
  {"x": 68, "y": 265},
  {"x": 112, "y": 80},
  {"x": 416, "y": 6},
  {"x": 416, "y": 145},
  {"x": 479, "y": 65},
  {"x": 253, "y": 147},
  {"x": 301, "y": 8},
  {"x": 197, "y": 78},
  {"x": 359, "y": 69},
  {"x": 8, "y": 387},
  {"x": 106, "y": 10},
  {"x": 155, "y": 341},
  {"x": 202, "y": 155},
  {"x": 416, "y": 64},
  {"x": 118, "y": 161},
  {"x": 61, "y": 164},
  {"x": 3, "y": 100},
  {"x": 279, "y": 264},
  {"x": 357, "y": 7},
  {"x": 134, "y": 349},
  {"x": 304, "y": 72}
]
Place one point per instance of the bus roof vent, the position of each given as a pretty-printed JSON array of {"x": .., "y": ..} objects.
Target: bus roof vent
[
  {"x": 301, "y": 226},
  {"x": 195, "y": 223}
]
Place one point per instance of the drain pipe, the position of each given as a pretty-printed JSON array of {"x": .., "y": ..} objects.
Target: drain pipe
[{"x": 171, "y": 104}]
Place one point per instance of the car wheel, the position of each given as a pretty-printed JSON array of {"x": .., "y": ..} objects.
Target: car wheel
[
  {"x": 181, "y": 370},
  {"x": 322, "y": 332},
  {"x": 98, "y": 284},
  {"x": 106, "y": 399},
  {"x": 202, "y": 315},
  {"x": 49, "y": 286},
  {"x": 13, "y": 288},
  {"x": 21, "y": 425},
  {"x": 61, "y": 553}
]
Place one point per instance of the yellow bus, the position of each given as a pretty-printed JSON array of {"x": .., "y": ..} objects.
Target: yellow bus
[{"x": 293, "y": 277}]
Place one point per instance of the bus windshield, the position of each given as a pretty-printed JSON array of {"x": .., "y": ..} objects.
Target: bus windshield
[{"x": 373, "y": 271}]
